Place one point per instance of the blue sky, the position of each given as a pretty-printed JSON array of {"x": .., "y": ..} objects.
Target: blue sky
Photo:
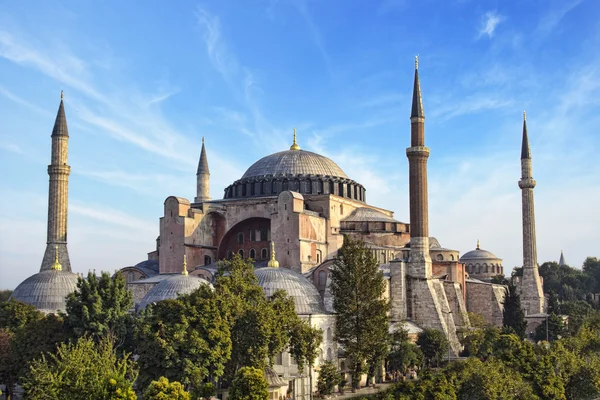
[{"x": 144, "y": 81}]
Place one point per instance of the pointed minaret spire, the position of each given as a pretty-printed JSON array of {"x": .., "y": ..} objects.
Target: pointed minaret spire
[
  {"x": 532, "y": 295},
  {"x": 417, "y": 101},
  {"x": 202, "y": 178},
  {"x": 562, "y": 261},
  {"x": 294, "y": 145},
  {"x": 525, "y": 150},
  {"x": 58, "y": 195}
]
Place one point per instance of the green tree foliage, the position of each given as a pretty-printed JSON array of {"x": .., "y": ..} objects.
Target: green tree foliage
[
  {"x": 362, "y": 322},
  {"x": 83, "y": 370},
  {"x": 100, "y": 306},
  {"x": 568, "y": 283},
  {"x": 305, "y": 342},
  {"x": 15, "y": 314},
  {"x": 5, "y": 295},
  {"x": 249, "y": 383},
  {"x": 513, "y": 316},
  {"x": 184, "y": 339},
  {"x": 403, "y": 354},
  {"x": 499, "y": 280},
  {"x": 329, "y": 377},
  {"x": 481, "y": 342},
  {"x": 7, "y": 370},
  {"x": 434, "y": 345},
  {"x": 162, "y": 389},
  {"x": 556, "y": 328},
  {"x": 577, "y": 312},
  {"x": 260, "y": 327},
  {"x": 591, "y": 268}
]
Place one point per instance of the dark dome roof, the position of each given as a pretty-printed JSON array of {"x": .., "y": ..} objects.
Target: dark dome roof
[
  {"x": 478, "y": 255},
  {"x": 47, "y": 290},
  {"x": 172, "y": 287},
  {"x": 294, "y": 162},
  {"x": 305, "y": 295}
]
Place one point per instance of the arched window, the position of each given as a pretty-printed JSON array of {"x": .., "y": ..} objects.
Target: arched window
[
  {"x": 264, "y": 254},
  {"x": 451, "y": 257},
  {"x": 252, "y": 254},
  {"x": 241, "y": 252},
  {"x": 329, "y": 335},
  {"x": 329, "y": 355},
  {"x": 493, "y": 269},
  {"x": 207, "y": 260},
  {"x": 440, "y": 257},
  {"x": 252, "y": 235},
  {"x": 341, "y": 209},
  {"x": 130, "y": 276},
  {"x": 229, "y": 254},
  {"x": 322, "y": 278},
  {"x": 485, "y": 266},
  {"x": 240, "y": 238},
  {"x": 318, "y": 256}
]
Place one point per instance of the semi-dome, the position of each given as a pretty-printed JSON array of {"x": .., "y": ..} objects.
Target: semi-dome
[
  {"x": 305, "y": 295},
  {"x": 47, "y": 290},
  {"x": 294, "y": 162},
  {"x": 171, "y": 288}
]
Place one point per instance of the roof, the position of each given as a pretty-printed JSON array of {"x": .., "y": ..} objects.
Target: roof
[
  {"x": 525, "y": 150},
  {"x": 171, "y": 288},
  {"x": 479, "y": 255},
  {"x": 47, "y": 290},
  {"x": 417, "y": 101},
  {"x": 305, "y": 295},
  {"x": 60, "y": 124},
  {"x": 365, "y": 214},
  {"x": 294, "y": 162},
  {"x": 203, "y": 163}
]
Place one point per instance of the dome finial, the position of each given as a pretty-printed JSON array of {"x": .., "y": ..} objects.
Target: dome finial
[
  {"x": 478, "y": 244},
  {"x": 56, "y": 265},
  {"x": 273, "y": 262},
  {"x": 294, "y": 146},
  {"x": 416, "y": 62},
  {"x": 185, "y": 271},
  {"x": 62, "y": 95}
]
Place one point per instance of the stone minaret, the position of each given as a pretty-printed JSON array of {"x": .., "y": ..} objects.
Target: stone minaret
[
  {"x": 58, "y": 196},
  {"x": 532, "y": 295},
  {"x": 202, "y": 178},
  {"x": 417, "y": 153}
]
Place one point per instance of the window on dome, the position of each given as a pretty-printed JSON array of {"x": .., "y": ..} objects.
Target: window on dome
[
  {"x": 252, "y": 235},
  {"x": 322, "y": 278},
  {"x": 252, "y": 254},
  {"x": 241, "y": 252},
  {"x": 440, "y": 257},
  {"x": 240, "y": 238},
  {"x": 264, "y": 254},
  {"x": 229, "y": 254},
  {"x": 207, "y": 260}
]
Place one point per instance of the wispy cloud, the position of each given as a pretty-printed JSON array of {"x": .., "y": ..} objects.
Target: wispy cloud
[
  {"x": 13, "y": 148},
  {"x": 555, "y": 12},
  {"x": 471, "y": 104},
  {"x": 489, "y": 23},
  {"x": 315, "y": 32},
  {"x": 19, "y": 100},
  {"x": 113, "y": 217}
]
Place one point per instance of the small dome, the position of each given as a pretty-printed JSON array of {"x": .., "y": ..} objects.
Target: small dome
[
  {"x": 365, "y": 214},
  {"x": 305, "y": 295},
  {"x": 47, "y": 290},
  {"x": 294, "y": 162},
  {"x": 171, "y": 288},
  {"x": 478, "y": 255}
]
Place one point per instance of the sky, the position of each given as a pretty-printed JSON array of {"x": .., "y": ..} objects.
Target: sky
[{"x": 144, "y": 81}]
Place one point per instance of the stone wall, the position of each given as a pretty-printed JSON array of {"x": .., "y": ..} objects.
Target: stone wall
[{"x": 487, "y": 300}]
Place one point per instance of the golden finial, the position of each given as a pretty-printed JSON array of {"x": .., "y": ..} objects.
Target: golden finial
[
  {"x": 56, "y": 266},
  {"x": 416, "y": 62},
  {"x": 202, "y": 139},
  {"x": 62, "y": 95},
  {"x": 185, "y": 271},
  {"x": 524, "y": 115},
  {"x": 477, "y": 244},
  {"x": 294, "y": 146},
  {"x": 273, "y": 262}
]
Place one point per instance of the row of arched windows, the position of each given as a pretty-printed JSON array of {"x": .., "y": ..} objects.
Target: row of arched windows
[
  {"x": 264, "y": 254},
  {"x": 483, "y": 269}
]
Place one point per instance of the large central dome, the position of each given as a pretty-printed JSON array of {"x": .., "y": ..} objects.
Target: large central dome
[{"x": 294, "y": 162}]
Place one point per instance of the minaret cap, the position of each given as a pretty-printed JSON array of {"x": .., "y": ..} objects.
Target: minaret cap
[
  {"x": 185, "y": 271},
  {"x": 62, "y": 95},
  {"x": 478, "y": 244},
  {"x": 56, "y": 265},
  {"x": 273, "y": 262},
  {"x": 294, "y": 145},
  {"x": 525, "y": 150}
]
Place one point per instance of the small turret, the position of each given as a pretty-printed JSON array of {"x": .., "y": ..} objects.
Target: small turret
[{"x": 202, "y": 178}]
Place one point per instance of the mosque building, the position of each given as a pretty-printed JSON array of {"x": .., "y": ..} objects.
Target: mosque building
[{"x": 299, "y": 205}]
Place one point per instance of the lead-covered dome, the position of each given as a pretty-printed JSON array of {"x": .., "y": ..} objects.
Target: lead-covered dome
[
  {"x": 171, "y": 288},
  {"x": 305, "y": 295},
  {"x": 47, "y": 290},
  {"x": 294, "y": 162},
  {"x": 482, "y": 264}
]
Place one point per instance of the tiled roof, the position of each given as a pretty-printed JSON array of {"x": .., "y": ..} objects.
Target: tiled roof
[
  {"x": 478, "y": 254},
  {"x": 294, "y": 162},
  {"x": 47, "y": 290}
]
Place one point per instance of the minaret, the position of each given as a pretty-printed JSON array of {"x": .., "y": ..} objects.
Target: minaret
[
  {"x": 202, "y": 178},
  {"x": 58, "y": 196},
  {"x": 562, "y": 261},
  {"x": 532, "y": 295},
  {"x": 417, "y": 153}
]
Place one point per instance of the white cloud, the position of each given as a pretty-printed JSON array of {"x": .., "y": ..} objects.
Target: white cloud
[{"x": 489, "y": 23}]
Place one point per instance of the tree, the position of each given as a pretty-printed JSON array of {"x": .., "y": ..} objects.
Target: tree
[
  {"x": 577, "y": 312},
  {"x": 184, "y": 339},
  {"x": 100, "y": 306},
  {"x": 329, "y": 377},
  {"x": 362, "y": 322},
  {"x": 7, "y": 370},
  {"x": 162, "y": 389},
  {"x": 83, "y": 370},
  {"x": 499, "y": 280},
  {"x": 5, "y": 295},
  {"x": 434, "y": 345},
  {"x": 305, "y": 342},
  {"x": 15, "y": 314},
  {"x": 513, "y": 316},
  {"x": 555, "y": 329},
  {"x": 249, "y": 383},
  {"x": 403, "y": 354}
]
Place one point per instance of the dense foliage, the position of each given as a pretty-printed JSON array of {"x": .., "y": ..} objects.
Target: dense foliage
[
  {"x": 403, "y": 353},
  {"x": 162, "y": 389},
  {"x": 433, "y": 345},
  {"x": 329, "y": 377},
  {"x": 249, "y": 383},
  {"x": 5, "y": 295},
  {"x": 362, "y": 320},
  {"x": 513, "y": 316}
]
